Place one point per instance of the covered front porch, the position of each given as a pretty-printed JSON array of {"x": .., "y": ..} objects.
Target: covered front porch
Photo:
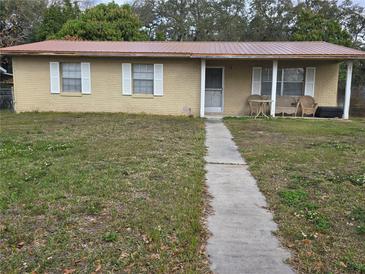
[{"x": 228, "y": 84}]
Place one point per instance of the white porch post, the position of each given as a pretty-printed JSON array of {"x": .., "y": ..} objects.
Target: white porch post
[
  {"x": 346, "y": 106},
  {"x": 273, "y": 87},
  {"x": 202, "y": 87}
]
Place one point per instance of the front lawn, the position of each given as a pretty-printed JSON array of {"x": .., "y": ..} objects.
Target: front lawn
[
  {"x": 101, "y": 192},
  {"x": 313, "y": 176}
]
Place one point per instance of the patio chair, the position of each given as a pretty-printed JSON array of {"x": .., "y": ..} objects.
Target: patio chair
[
  {"x": 286, "y": 105},
  {"x": 307, "y": 105},
  {"x": 254, "y": 106}
]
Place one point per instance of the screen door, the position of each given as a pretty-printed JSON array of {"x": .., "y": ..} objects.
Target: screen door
[{"x": 214, "y": 90}]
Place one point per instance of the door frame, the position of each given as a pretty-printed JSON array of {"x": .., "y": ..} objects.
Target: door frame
[{"x": 221, "y": 109}]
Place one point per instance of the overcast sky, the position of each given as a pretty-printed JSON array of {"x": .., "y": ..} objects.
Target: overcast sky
[
  {"x": 117, "y": 1},
  {"x": 360, "y": 2}
]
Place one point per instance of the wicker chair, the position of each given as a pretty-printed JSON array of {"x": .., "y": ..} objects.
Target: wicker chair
[
  {"x": 307, "y": 105},
  {"x": 286, "y": 104},
  {"x": 254, "y": 107}
]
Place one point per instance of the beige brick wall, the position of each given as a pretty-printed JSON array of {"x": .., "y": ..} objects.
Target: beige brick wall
[
  {"x": 238, "y": 75},
  {"x": 327, "y": 83},
  {"x": 181, "y": 87}
]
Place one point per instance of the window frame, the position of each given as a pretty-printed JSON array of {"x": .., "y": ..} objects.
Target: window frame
[
  {"x": 62, "y": 77},
  {"x": 145, "y": 92},
  {"x": 281, "y": 82}
]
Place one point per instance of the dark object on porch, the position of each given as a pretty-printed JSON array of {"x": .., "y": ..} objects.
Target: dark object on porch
[
  {"x": 357, "y": 105},
  {"x": 329, "y": 112}
]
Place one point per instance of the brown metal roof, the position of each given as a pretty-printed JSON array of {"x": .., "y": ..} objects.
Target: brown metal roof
[{"x": 245, "y": 50}]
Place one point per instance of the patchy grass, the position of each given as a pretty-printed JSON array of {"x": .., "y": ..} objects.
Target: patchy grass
[
  {"x": 313, "y": 176},
  {"x": 101, "y": 192}
]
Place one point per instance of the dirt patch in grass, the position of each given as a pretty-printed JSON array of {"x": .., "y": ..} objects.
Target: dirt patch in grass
[
  {"x": 105, "y": 192},
  {"x": 313, "y": 176}
]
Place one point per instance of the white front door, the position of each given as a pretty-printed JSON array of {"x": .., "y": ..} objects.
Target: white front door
[{"x": 214, "y": 90}]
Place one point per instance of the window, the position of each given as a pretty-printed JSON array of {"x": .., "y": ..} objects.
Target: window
[
  {"x": 290, "y": 82},
  {"x": 266, "y": 81},
  {"x": 71, "y": 77},
  {"x": 143, "y": 78}
]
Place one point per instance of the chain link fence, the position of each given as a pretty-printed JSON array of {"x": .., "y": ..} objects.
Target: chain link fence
[{"x": 6, "y": 98}]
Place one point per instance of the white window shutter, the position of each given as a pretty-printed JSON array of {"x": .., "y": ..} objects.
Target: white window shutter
[
  {"x": 54, "y": 72},
  {"x": 127, "y": 79},
  {"x": 256, "y": 81},
  {"x": 158, "y": 80},
  {"x": 310, "y": 78},
  {"x": 85, "y": 78}
]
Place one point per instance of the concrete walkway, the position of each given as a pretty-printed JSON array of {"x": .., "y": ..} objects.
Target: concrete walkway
[{"x": 242, "y": 239}]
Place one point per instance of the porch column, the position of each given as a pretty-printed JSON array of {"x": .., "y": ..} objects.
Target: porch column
[
  {"x": 273, "y": 87},
  {"x": 346, "y": 105},
  {"x": 202, "y": 87}
]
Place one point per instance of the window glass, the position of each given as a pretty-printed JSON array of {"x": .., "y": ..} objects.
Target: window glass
[
  {"x": 143, "y": 78},
  {"x": 267, "y": 82},
  {"x": 293, "y": 89},
  {"x": 71, "y": 77},
  {"x": 294, "y": 75},
  {"x": 213, "y": 78},
  {"x": 290, "y": 82}
]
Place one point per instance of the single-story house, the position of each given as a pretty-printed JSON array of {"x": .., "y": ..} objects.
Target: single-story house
[{"x": 192, "y": 78}]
